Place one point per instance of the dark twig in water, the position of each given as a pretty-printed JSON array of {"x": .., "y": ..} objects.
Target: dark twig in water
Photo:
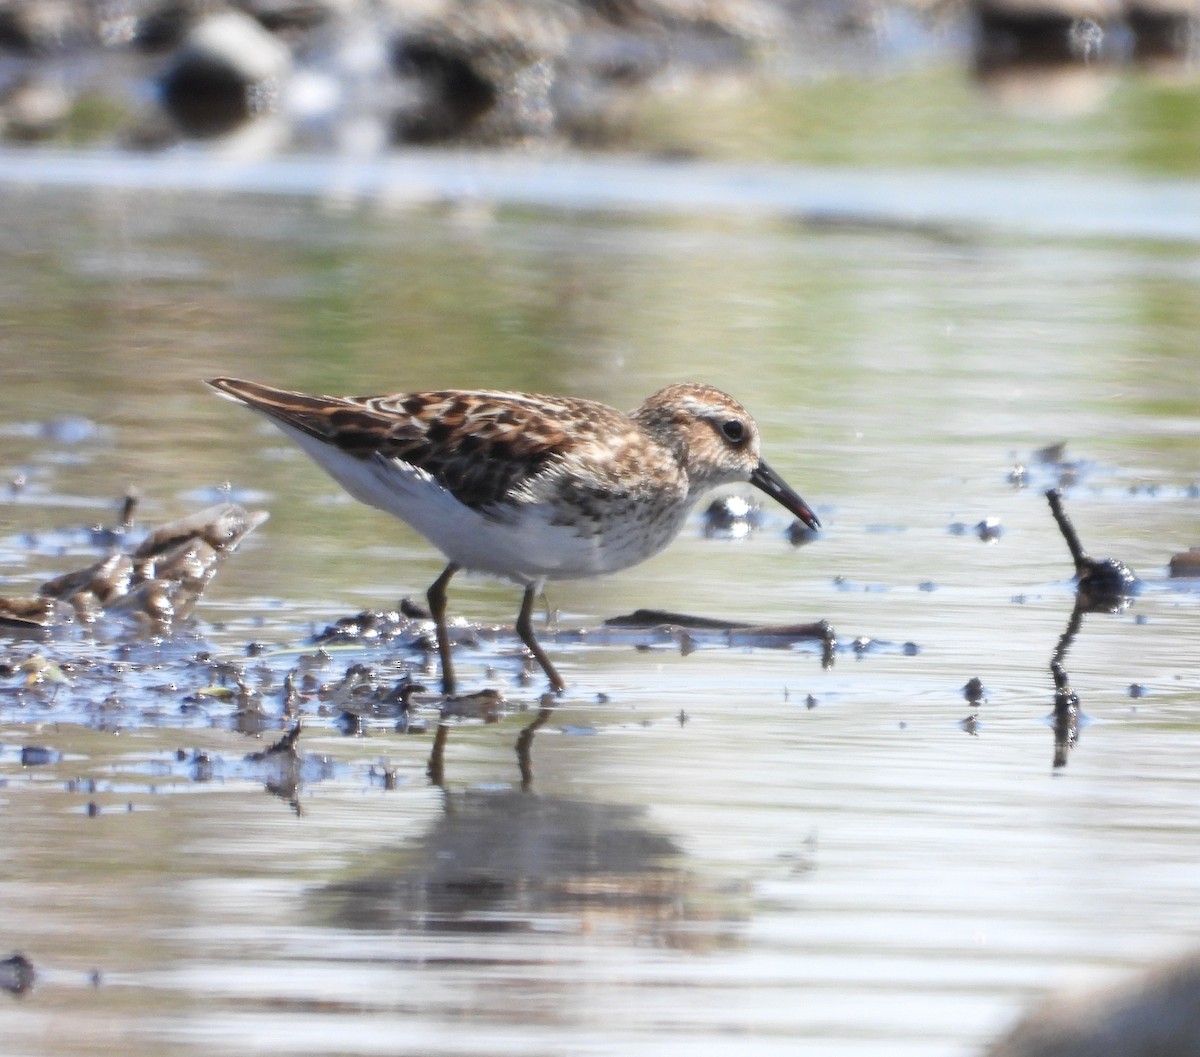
[
  {"x": 665, "y": 622},
  {"x": 1104, "y": 584},
  {"x": 653, "y": 618},
  {"x": 661, "y": 619},
  {"x": 1078, "y": 554},
  {"x": 129, "y": 509}
]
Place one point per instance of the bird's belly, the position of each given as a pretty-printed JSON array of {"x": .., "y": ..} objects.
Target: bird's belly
[
  {"x": 535, "y": 546},
  {"x": 527, "y": 542}
]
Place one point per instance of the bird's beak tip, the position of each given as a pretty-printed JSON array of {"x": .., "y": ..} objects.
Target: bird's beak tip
[{"x": 778, "y": 489}]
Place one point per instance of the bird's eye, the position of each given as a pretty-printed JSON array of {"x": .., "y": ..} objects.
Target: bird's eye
[{"x": 734, "y": 430}]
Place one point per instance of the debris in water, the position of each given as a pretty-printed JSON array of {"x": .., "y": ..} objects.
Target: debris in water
[
  {"x": 159, "y": 582},
  {"x": 731, "y": 517},
  {"x": 989, "y": 529},
  {"x": 1102, "y": 584},
  {"x": 1186, "y": 563},
  {"x": 16, "y": 974}
]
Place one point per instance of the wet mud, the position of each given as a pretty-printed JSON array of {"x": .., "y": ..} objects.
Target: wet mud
[
  {"x": 156, "y": 582},
  {"x": 120, "y": 643}
]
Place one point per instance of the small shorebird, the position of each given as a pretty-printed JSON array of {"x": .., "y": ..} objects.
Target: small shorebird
[{"x": 526, "y": 487}]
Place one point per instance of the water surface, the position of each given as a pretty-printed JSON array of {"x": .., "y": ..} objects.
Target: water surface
[{"x": 702, "y": 856}]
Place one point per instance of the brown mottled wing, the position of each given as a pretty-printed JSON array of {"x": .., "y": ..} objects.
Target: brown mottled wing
[{"x": 480, "y": 446}]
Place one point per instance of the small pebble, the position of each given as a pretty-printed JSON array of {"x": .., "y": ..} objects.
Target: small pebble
[
  {"x": 37, "y": 756},
  {"x": 1052, "y": 453},
  {"x": 800, "y": 534},
  {"x": 989, "y": 529},
  {"x": 16, "y": 974}
]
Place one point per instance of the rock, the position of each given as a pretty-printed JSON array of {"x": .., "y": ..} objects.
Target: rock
[
  {"x": 1163, "y": 30},
  {"x": 1186, "y": 563},
  {"x": 34, "y": 614},
  {"x": 36, "y": 108},
  {"x": 41, "y": 26},
  {"x": 17, "y": 974},
  {"x": 1015, "y": 32},
  {"x": 227, "y": 71},
  {"x": 481, "y": 70},
  {"x": 1154, "y": 1015}
]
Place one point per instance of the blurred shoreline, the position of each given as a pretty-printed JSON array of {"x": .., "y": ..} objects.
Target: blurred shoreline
[{"x": 358, "y": 79}]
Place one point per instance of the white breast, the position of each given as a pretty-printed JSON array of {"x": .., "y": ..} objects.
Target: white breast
[{"x": 526, "y": 542}]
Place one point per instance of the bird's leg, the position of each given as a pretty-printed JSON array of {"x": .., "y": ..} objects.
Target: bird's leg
[
  {"x": 437, "y": 608},
  {"x": 525, "y": 630}
]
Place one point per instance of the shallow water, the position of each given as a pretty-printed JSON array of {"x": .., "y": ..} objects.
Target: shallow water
[{"x": 702, "y": 857}]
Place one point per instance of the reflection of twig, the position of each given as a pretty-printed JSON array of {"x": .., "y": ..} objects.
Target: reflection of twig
[
  {"x": 829, "y": 646},
  {"x": 1068, "y": 636},
  {"x": 1066, "y": 715},
  {"x": 525, "y": 744},
  {"x": 437, "y": 758},
  {"x": 1104, "y": 585}
]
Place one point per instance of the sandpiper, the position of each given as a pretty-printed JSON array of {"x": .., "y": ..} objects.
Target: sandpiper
[{"x": 527, "y": 487}]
